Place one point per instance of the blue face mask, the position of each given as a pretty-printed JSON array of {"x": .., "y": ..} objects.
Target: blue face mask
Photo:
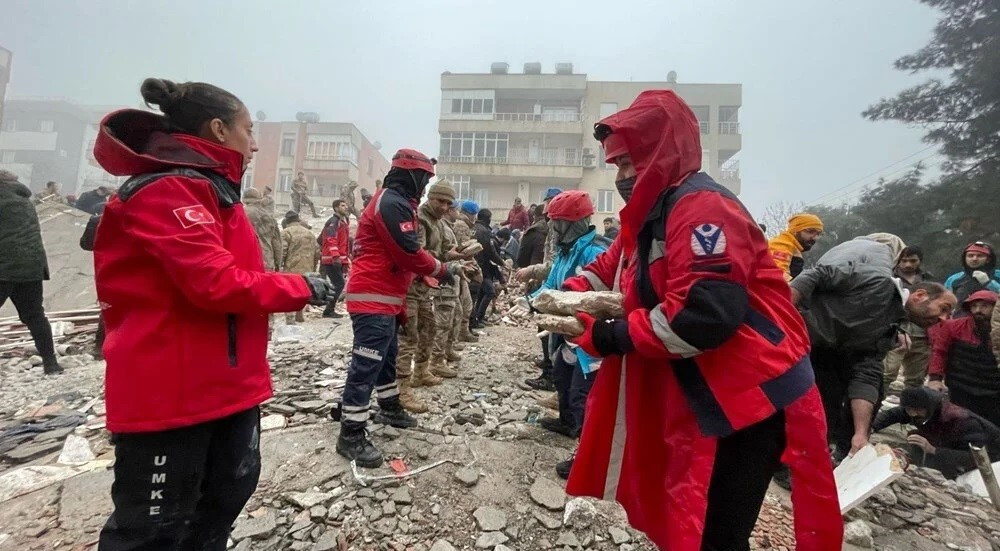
[{"x": 625, "y": 187}]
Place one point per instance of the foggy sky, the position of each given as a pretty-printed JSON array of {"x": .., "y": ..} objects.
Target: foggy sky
[{"x": 808, "y": 68}]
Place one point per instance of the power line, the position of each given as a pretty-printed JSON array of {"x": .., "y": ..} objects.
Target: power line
[
  {"x": 821, "y": 198},
  {"x": 828, "y": 198}
]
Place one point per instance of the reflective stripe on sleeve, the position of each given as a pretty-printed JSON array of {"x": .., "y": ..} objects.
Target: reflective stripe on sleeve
[
  {"x": 663, "y": 331},
  {"x": 595, "y": 282}
]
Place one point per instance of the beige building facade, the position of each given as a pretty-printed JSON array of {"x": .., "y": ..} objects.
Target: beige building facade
[{"x": 505, "y": 135}]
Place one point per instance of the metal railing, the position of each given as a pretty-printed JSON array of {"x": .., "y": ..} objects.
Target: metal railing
[
  {"x": 729, "y": 128},
  {"x": 537, "y": 117},
  {"x": 563, "y": 158},
  {"x": 703, "y": 126}
]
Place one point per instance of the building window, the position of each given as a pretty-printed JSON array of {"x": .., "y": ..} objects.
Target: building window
[
  {"x": 605, "y": 200},
  {"x": 729, "y": 117},
  {"x": 469, "y": 147},
  {"x": 6, "y": 157},
  {"x": 247, "y": 180},
  {"x": 285, "y": 180},
  {"x": 462, "y": 185},
  {"x": 46, "y": 126},
  {"x": 288, "y": 145},
  {"x": 482, "y": 196},
  {"x": 371, "y": 165},
  {"x": 10, "y": 125},
  {"x": 608, "y": 109},
  {"x": 701, "y": 112},
  {"x": 331, "y": 147},
  {"x": 469, "y": 102}
]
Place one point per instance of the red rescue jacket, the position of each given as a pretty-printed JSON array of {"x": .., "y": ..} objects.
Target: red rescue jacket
[
  {"x": 718, "y": 346},
  {"x": 387, "y": 255},
  {"x": 181, "y": 280},
  {"x": 334, "y": 241}
]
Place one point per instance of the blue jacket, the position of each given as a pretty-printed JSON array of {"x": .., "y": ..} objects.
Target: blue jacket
[
  {"x": 565, "y": 266},
  {"x": 963, "y": 284}
]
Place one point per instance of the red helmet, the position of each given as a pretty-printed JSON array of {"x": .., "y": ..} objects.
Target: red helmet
[
  {"x": 411, "y": 159},
  {"x": 571, "y": 205}
]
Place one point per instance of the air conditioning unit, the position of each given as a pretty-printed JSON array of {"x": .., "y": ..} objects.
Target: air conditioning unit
[
  {"x": 588, "y": 162},
  {"x": 588, "y": 152}
]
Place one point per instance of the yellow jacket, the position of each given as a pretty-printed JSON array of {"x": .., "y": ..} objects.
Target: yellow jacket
[{"x": 784, "y": 247}]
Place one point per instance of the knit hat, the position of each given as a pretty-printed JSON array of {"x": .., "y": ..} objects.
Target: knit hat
[
  {"x": 470, "y": 207},
  {"x": 291, "y": 216},
  {"x": 804, "y": 221},
  {"x": 442, "y": 190},
  {"x": 551, "y": 192},
  {"x": 984, "y": 295}
]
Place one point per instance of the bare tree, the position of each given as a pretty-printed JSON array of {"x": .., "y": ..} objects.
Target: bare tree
[{"x": 776, "y": 215}]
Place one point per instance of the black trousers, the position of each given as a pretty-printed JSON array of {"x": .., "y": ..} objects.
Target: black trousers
[
  {"x": 745, "y": 461},
  {"x": 487, "y": 291},
  {"x": 572, "y": 387},
  {"x": 335, "y": 273},
  {"x": 182, "y": 489},
  {"x": 373, "y": 367},
  {"x": 834, "y": 371},
  {"x": 27, "y": 299}
]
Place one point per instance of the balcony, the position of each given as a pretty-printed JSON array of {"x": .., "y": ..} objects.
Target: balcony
[
  {"x": 729, "y": 175},
  {"x": 730, "y": 128},
  {"x": 568, "y": 163},
  {"x": 328, "y": 162},
  {"x": 539, "y": 123}
]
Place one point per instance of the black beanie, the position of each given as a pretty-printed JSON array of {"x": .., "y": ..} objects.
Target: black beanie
[{"x": 917, "y": 397}]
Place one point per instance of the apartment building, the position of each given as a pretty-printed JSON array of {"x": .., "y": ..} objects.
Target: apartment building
[
  {"x": 52, "y": 139},
  {"x": 331, "y": 154},
  {"x": 506, "y": 135}
]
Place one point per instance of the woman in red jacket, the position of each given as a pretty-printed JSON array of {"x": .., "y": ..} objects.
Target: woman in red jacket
[{"x": 185, "y": 299}]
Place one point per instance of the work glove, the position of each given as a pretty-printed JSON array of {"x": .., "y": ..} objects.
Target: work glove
[
  {"x": 602, "y": 338},
  {"x": 578, "y": 284},
  {"x": 452, "y": 271},
  {"x": 321, "y": 290},
  {"x": 982, "y": 277},
  {"x": 521, "y": 308}
]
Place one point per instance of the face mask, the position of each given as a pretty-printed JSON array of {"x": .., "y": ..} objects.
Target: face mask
[{"x": 625, "y": 187}]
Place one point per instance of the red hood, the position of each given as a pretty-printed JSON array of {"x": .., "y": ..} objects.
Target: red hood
[
  {"x": 661, "y": 134},
  {"x": 131, "y": 142}
]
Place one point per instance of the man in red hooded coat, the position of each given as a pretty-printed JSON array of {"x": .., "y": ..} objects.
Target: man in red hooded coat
[{"x": 706, "y": 387}]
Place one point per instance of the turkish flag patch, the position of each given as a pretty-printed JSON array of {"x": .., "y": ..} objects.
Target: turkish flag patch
[
  {"x": 406, "y": 226},
  {"x": 193, "y": 215}
]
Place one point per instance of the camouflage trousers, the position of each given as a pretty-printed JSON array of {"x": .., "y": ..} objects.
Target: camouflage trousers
[
  {"x": 460, "y": 323},
  {"x": 415, "y": 342},
  {"x": 445, "y": 306}
]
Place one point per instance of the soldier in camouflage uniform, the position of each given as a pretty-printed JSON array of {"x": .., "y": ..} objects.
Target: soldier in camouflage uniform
[
  {"x": 464, "y": 220},
  {"x": 300, "y": 253},
  {"x": 266, "y": 227},
  {"x": 447, "y": 305}
]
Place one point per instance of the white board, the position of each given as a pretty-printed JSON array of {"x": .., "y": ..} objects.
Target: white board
[
  {"x": 859, "y": 476},
  {"x": 975, "y": 480}
]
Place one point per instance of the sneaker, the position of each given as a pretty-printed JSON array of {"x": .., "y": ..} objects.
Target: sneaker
[
  {"x": 564, "y": 467},
  {"x": 541, "y": 383},
  {"x": 395, "y": 418},
  {"x": 555, "y": 425},
  {"x": 354, "y": 445}
]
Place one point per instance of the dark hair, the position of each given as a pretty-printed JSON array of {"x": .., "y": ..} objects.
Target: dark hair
[
  {"x": 934, "y": 290},
  {"x": 338, "y": 202},
  {"x": 912, "y": 250},
  {"x": 189, "y": 105},
  {"x": 539, "y": 211},
  {"x": 609, "y": 219},
  {"x": 503, "y": 233}
]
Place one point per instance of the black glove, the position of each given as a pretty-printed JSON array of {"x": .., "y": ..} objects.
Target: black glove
[
  {"x": 610, "y": 337},
  {"x": 321, "y": 290}
]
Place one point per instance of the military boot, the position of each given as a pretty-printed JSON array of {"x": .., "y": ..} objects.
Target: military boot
[
  {"x": 422, "y": 376},
  {"x": 458, "y": 346},
  {"x": 453, "y": 356},
  {"x": 443, "y": 370},
  {"x": 391, "y": 413},
  {"x": 408, "y": 399},
  {"x": 354, "y": 445}
]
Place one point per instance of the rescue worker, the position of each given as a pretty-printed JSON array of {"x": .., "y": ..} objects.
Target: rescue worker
[
  {"x": 50, "y": 194},
  {"x": 432, "y": 216},
  {"x": 264, "y": 224},
  {"x": 268, "y": 201},
  {"x": 914, "y": 359},
  {"x": 185, "y": 299},
  {"x": 491, "y": 264},
  {"x": 577, "y": 245},
  {"x": 93, "y": 201},
  {"x": 718, "y": 386},
  {"x": 347, "y": 194},
  {"x": 473, "y": 275},
  {"x": 24, "y": 265},
  {"x": 787, "y": 247},
  {"x": 387, "y": 255},
  {"x": 300, "y": 194},
  {"x": 463, "y": 300},
  {"x": 335, "y": 252},
  {"x": 979, "y": 272},
  {"x": 299, "y": 254}
]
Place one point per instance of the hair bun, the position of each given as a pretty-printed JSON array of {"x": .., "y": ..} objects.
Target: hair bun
[{"x": 159, "y": 92}]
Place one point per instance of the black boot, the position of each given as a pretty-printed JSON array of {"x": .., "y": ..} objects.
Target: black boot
[
  {"x": 51, "y": 366},
  {"x": 544, "y": 381},
  {"x": 563, "y": 468},
  {"x": 353, "y": 444},
  {"x": 556, "y": 425},
  {"x": 395, "y": 416}
]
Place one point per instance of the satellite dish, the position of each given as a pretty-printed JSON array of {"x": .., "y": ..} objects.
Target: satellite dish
[
  {"x": 261, "y": 116},
  {"x": 377, "y": 145}
]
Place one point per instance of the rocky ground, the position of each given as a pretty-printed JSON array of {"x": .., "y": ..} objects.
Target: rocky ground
[{"x": 478, "y": 473}]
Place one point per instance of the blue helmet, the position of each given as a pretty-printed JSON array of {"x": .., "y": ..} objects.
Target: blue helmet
[
  {"x": 551, "y": 192},
  {"x": 470, "y": 207}
]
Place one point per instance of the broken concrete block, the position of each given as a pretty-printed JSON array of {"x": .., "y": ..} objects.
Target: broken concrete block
[
  {"x": 560, "y": 325},
  {"x": 580, "y": 513},
  {"x": 863, "y": 474},
  {"x": 76, "y": 451},
  {"x": 600, "y": 304},
  {"x": 255, "y": 527},
  {"x": 272, "y": 422},
  {"x": 490, "y": 519},
  {"x": 548, "y": 494}
]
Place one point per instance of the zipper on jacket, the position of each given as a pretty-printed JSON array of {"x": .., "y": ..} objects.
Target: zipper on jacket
[{"x": 231, "y": 322}]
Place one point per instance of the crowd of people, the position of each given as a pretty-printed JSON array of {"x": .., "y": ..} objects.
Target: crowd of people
[{"x": 737, "y": 359}]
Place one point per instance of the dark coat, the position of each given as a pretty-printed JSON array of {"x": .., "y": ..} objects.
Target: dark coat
[
  {"x": 532, "y": 249},
  {"x": 91, "y": 202},
  {"x": 22, "y": 255}
]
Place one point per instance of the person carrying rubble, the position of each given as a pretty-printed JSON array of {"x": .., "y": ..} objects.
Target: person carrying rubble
[
  {"x": 440, "y": 196},
  {"x": 300, "y": 194},
  {"x": 300, "y": 252},
  {"x": 185, "y": 297},
  {"x": 708, "y": 371},
  {"x": 93, "y": 201},
  {"x": 465, "y": 220},
  {"x": 24, "y": 266},
  {"x": 266, "y": 227},
  {"x": 335, "y": 252},
  {"x": 50, "y": 194},
  {"x": 387, "y": 256},
  {"x": 449, "y": 327},
  {"x": 490, "y": 263},
  {"x": 577, "y": 245}
]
